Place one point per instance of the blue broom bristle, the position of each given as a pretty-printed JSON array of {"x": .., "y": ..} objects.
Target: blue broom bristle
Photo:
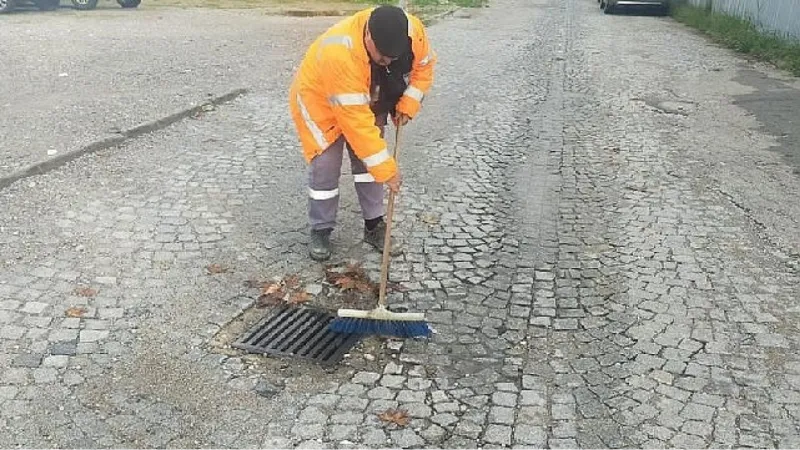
[{"x": 401, "y": 329}]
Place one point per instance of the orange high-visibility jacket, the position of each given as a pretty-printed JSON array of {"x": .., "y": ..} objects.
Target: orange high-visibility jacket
[{"x": 330, "y": 94}]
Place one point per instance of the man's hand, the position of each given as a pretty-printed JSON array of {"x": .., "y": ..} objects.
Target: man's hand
[
  {"x": 395, "y": 182},
  {"x": 400, "y": 119}
]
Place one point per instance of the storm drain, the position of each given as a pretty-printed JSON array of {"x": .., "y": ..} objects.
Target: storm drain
[{"x": 297, "y": 332}]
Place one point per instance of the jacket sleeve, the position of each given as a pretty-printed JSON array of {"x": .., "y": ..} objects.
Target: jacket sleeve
[
  {"x": 347, "y": 90},
  {"x": 421, "y": 77}
]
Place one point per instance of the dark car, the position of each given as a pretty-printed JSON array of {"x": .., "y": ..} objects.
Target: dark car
[
  {"x": 612, "y": 6},
  {"x": 44, "y": 5},
  {"x": 92, "y": 4},
  {"x": 47, "y": 5}
]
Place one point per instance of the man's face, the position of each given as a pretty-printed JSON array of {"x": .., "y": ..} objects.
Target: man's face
[{"x": 376, "y": 55}]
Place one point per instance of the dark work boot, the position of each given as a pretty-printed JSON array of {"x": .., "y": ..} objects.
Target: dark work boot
[
  {"x": 320, "y": 246},
  {"x": 375, "y": 237}
]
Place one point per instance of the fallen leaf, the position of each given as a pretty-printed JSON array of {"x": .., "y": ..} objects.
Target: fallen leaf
[
  {"x": 268, "y": 300},
  {"x": 355, "y": 268},
  {"x": 84, "y": 291},
  {"x": 351, "y": 277},
  {"x": 331, "y": 275},
  {"x": 271, "y": 288},
  {"x": 398, "y": 417},
  {"x": 299, "y": 297},
  {"x": 365, "y": 287},
  {"x": 345, "y": 283},
  {"x": 292, "y": 281},
  {"x": 351, "y": 299},
  {"x": 216, "y": 268},
  {"x": 76, "y": 311}
]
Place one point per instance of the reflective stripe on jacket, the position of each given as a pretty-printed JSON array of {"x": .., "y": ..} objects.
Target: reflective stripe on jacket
[{"x": 330, "y": 94}]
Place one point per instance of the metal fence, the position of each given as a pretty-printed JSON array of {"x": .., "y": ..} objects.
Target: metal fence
[{"x": 779, "y": 16}]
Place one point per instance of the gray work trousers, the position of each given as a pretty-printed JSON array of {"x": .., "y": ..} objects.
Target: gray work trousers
[{"x": 323, "y": 184}]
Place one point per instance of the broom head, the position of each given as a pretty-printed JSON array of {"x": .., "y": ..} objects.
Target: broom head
[{"x": 381, "y": 321}]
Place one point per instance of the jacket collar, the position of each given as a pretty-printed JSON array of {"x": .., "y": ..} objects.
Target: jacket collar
[{"x": 358, "y": 27}]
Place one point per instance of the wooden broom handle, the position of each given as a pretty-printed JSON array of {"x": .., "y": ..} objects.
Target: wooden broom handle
[{"x": 387, "y": 240}]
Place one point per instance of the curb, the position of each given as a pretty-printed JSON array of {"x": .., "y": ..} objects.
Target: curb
[
  {"x": 316, "y": 13},
  {"x": 139, "y": 130}
]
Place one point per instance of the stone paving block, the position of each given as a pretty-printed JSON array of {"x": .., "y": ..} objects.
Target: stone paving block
[
  {"x": 374, "y": 437},
  {"x": 687, "y": 441},
  {"x": 34, "y": 307},
  {"x": 566, "y": 429},
  {"x": 27, "y": 360},
  {"x": 9, "y": 305},
  {"x": 562, "y": 443},
  {"x": 43, "y": 272},
  {"x": 504, "y": 399},
  {"x": 307, "y": 431},
  {"x": 563, "y": 412},
  {"x": 501, "y": 415},
  {"x": 44, "y": 375},
  {"x": 367, "y": 378},
  {"x": 11, "y": 332},
  {"x": 91, "y": 336},
  {"x": 393, "y": 381},
  {"x": 406, "y": 396},
  {"x": 498, "y": 434},
  {"x": 56, "y": 361},
  {"x": 447, "y": 407},
  {"x": 406, "y": 439},
  {"x": 7, "y": 316},
  {"x": 8, "y": 392},
  {"x": 313, "y": 444}
]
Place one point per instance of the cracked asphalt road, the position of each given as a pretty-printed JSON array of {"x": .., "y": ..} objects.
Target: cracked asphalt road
[
  {"x": 600, "y": 236},
  {"x": 82, "y": 76}
]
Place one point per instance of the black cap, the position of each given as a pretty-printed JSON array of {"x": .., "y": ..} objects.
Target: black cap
[{"x": 388, "y": 26}]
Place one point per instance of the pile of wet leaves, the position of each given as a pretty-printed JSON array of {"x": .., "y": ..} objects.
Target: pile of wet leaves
[
  {"x": 355, "y": 288},
  {"x": 288, "y": 289},
  {"x": 344, "y": 285},
  {"x": 351, "y": 280}
]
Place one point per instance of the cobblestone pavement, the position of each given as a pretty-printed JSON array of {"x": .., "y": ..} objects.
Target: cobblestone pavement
[{"x": 593, "y": 281}]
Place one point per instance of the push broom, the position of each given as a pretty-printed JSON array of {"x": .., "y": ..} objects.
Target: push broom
[{"x": 379, "y": 320}]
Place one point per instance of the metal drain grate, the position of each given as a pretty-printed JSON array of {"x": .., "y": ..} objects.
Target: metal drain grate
[{"x": 297, "y": 332}]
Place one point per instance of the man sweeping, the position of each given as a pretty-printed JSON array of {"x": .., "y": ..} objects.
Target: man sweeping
[{"x": 374, "y": 64}]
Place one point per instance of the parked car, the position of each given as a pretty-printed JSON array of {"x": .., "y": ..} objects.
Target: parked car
[
  {"x": 612, "y": 6},
  {"x": 92, "y": 4},
  {"x": 44, "y": 5},
  {"x": 48, "y": 5}
]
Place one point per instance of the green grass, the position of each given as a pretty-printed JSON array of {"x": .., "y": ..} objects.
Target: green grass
[
  {"x": 459, "y": 3},
  {"x": 742, "y": 36}
]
